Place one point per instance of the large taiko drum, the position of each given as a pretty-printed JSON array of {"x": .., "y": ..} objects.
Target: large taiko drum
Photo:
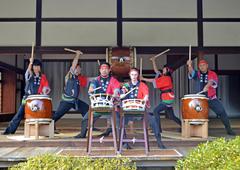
[
  {"x": 38, "y": 107},
  {"x": 194, "y": 106},
  {"x": 121, "y": 60},
  {"x": 133, "y": 105}
]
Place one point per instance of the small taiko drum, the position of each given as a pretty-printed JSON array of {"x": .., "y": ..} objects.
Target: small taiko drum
[
  {"x": 38, "y": 107},
  {"x": 194, "y": 106},
  {"x": 101, "y": 101},
  {"x": 133, "y": 105}
]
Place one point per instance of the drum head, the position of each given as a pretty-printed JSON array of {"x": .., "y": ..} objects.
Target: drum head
[
  {"x": 194, "y": 96},
  {"x": 32, "y": 97}
]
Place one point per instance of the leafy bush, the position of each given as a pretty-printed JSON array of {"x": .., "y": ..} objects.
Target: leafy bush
[
  {"x": 56, "y": 162},
  {"x": 218, "y": 154}
]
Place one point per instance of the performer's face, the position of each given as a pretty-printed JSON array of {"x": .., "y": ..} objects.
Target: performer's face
[
  {"x": 164, "y": 70},
  {"x": 203, "y": 67},
  {"x": 36, "y": 69},
  {"x": 78, "y": 70},
  {"x": 133, "y": 75},
  {"x": 104, "y": 70}
]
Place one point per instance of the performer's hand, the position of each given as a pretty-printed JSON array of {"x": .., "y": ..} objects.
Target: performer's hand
[
  {"x": 78, "y": 52},
  {"x": 189, "y": 63},
  {"x": 46, "y": 90},
  {"x": 205, "y": 89},
  {"x": 152, "y": 59},
  {"x": 91, "y": 89},
  {"x": 145, "y": 98},
  {"x": 31, "y": 59},
  {"x": 122, "y": 96}
]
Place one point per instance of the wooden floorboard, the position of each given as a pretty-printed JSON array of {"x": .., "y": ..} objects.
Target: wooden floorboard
[{"x": 16, "y": 148}]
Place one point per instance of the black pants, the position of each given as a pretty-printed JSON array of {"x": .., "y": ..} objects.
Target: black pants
[
  {"x": 14, "y": 123},
  {"x": 216, "y": 106},
  {"x": 65, "y": 106},
  {"x": 169, "y": 110}
]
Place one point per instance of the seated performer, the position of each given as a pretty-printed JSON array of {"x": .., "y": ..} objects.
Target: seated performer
[
  {"x": 141, "y": 92},
  {"x": 36, "y": 83},
  {"x": 108, "y": 84},
  {"x": 163, "y": 82},
  {"x": 73, "y": 81},
  {"x": 207, "y": 83}
]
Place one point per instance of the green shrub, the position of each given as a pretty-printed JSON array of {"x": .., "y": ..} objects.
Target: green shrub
[
  {"x": 218, "y": 154},
  {"x": 56, "y": 162}
]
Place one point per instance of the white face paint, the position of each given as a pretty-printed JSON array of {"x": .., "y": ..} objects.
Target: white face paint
[{"x": 133, "y": 75}]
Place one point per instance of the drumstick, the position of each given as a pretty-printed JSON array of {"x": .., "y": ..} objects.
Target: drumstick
[
  {"x": 160, "y": 54},
  {"x": 107, "y": 55},
  {"x": 94, "y": 90},
  {"x": 135, "y": 57},
  {"x": 189, "y": 53},
  {"x": 200, "y": 92},
  {"x": 97, "y": 88},
  {"x": 140, "y": 67},
  {"x": 98, "y": 62},
  {"x": 70, "y": 50},
  {"x": 32, "y": 50},
  {"x": 124, "y": 95}
]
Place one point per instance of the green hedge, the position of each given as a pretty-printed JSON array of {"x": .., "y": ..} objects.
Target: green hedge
[
  {"x": 56, "y": 162},
  {"x": 218, "y": 154}
]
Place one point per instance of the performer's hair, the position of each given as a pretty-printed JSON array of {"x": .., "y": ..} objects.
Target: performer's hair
[
  {"x": 169, "y": 70},
  {"x": 37, "y": 62},
  {"x": 135, "y": 69},
  {"x": 105, "y": 63}
]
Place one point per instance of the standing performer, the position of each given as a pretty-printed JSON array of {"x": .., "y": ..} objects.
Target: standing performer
[
  {"x": 207, "y": 84},
  {"x": 108, "y": 84},
  {"x": 163, "y": 82},
  {"x": 141, "y": 92},
  {"x": 36, "y": 83},
  {"x": 70, "y": 99}
]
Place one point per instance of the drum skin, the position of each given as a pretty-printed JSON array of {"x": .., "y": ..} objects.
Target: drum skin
[
  {"x": 38, "y": 107},
  {"x": 194, "y": 107}
]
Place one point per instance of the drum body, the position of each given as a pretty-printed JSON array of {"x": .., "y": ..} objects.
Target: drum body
[
  {"x": 194, "y": 107},
  {"x": 101, "y": 101},
  {"x": 133, "y": 105},
  {"x": 121, "y": 60},
  {"x": 38, "y": 107}
]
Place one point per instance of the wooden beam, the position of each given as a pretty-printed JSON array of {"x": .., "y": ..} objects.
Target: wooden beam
[{"x": 175, "y": 50}]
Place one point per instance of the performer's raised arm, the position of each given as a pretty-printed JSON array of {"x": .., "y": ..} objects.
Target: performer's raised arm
[
  {"x": 154, "y": 65},
  {"x": 147, "y": 79},
  {"x": 190, "y": 67},
  {"x": 75, "y": 60}
]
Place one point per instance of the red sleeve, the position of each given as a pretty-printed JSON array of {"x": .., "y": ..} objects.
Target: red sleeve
[
  {"x": 114, "y": 84},
  {"x": 83, "y": 80},
  {"x": 43, "y": 83},
  {"x": 143, "y": 90},
  {"x": 213, "y": 77}
]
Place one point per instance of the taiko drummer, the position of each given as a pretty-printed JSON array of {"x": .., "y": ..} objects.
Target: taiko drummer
[
  {"x": 163, "y": 81},
  {"x": 36, "y": 83},
  {"x": 139, "y": 90},
  {"x": 104, "y": 83},
  {"x": 207, "y": 83},
  {"x": 70, "y": 100}
]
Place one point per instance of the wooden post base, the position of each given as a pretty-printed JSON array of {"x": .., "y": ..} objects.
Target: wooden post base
[
  {"x": 195, "y": 127},
  {"x": 39, "y": 127}
]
